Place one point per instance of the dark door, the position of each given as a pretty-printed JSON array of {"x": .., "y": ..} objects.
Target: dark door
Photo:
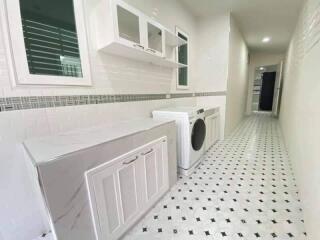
[
  {"x": 267, "y": 91},
  {"x": 198, "y": 134}
]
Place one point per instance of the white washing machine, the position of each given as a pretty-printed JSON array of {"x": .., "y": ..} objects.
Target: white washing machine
[{"x": 191, "y": 133}]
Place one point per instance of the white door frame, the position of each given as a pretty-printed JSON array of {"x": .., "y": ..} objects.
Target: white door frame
[{"x": 277, "y": 88}]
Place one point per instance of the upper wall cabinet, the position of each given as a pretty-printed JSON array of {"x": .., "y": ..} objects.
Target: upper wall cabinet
[
  {"x": 46, "y": 41},
  {"x": 125, "y": 31}
]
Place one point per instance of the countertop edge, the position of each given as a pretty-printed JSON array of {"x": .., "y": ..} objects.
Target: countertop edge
[{"x": 42, "y": 162}]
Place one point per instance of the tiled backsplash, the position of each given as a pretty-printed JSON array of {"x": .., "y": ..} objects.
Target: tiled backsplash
[
  {"x": 32, "y": 102},
  {"x": 207, "y": 94}
]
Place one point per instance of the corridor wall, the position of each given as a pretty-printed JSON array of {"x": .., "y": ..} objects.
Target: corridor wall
[{"x": 300, "y": 113}]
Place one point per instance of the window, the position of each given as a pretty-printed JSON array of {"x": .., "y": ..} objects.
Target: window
[
  {"x": 183, "y": 58},
  {"x": 48, "y": 42}
]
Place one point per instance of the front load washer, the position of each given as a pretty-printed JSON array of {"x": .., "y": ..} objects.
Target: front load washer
[{"x": 191, "y": 133}]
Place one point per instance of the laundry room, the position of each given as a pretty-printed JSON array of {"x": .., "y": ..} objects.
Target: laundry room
[{"x": 106, "y": 106}]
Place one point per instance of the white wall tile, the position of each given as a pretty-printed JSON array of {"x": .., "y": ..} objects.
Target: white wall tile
[{"x": 299, "y": 111}]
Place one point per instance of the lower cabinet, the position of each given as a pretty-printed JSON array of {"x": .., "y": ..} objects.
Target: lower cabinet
[
  {"x": 212, "y": 130},
  {"x": 123, "y": 189}
]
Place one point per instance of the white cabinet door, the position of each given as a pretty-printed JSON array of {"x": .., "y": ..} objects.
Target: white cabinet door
[
  {"x": 123, "y": 189},
  {"x": 105, "y": 198},
  {"x": 155, "y": 161},
  {"x": 212, "y": 127},
  {"x": 213, "y": 130},
  {"x": 130, "y": 189},
  {"x": 162, "y": 166},
  {"x": 217, "y": 129},
  {"x": 208, "y": 127},
  {"x": 129, "y": 25},
  {"x": 155, "y": 40},
  {"x": 115, "y": 193}
]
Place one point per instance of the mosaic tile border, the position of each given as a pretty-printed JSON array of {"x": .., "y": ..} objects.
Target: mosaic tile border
[
  {"x": 33, "y": 102},
  {"x": 207, "y": 94}
]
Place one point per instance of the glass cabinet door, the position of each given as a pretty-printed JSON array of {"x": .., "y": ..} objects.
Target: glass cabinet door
[
  {"x": 155, "y": 39},
  {"x": 129, "y": 26}
]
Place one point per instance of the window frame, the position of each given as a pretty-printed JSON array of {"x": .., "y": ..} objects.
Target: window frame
[
  {"x": 16, "y": 50},
  {"x": 183, "y": 87}
]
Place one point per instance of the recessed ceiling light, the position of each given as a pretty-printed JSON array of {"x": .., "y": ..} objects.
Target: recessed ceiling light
[{"x": 266, "y": 39}]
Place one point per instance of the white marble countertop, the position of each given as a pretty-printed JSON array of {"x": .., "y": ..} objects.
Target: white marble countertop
[{"x": 46, "y": 149}]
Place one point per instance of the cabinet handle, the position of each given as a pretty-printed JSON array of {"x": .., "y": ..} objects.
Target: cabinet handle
[
  {"x": 138, "y": 45},
  {"x": 132, "y": 160},
  {"x": 150, "y": 151}
]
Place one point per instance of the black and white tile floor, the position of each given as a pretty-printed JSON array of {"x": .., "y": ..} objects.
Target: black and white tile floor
[{"x": 244, "y": 189}]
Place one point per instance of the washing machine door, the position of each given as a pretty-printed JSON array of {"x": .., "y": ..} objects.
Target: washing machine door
[{"x": 198, "y": 134}]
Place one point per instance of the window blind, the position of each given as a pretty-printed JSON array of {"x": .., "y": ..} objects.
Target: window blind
[{"x": 51, "y": 50}]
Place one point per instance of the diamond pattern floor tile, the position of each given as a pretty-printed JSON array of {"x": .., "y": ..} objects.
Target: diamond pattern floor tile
[{"x": 243, "y": 189}]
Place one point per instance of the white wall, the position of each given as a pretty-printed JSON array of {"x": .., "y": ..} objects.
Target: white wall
[
  {"x": 258, "y": 59},
  {"x": 213, "y": 52},
  {"x": 212, "y": 60},
  {"x": 237, "y": 79},
  {"x": 222, "y": 59},
  {"x": 21, "y": 215},
  {"x": 300, "y": 115}
]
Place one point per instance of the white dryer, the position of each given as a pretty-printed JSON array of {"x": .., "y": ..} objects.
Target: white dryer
[{"x": 191, "y": 133}]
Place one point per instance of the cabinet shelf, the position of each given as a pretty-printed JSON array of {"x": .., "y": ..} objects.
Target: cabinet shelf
[{"x": 119, "y": 49}]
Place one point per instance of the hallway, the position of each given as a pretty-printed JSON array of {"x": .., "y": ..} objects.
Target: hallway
[{"x": 243, "y": 189}]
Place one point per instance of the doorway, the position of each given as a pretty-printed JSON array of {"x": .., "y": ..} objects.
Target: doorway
[{"x": 267, "y": 91}]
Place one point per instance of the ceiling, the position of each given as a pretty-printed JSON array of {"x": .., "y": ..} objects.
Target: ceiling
[{"x": 256, "y": 19}]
